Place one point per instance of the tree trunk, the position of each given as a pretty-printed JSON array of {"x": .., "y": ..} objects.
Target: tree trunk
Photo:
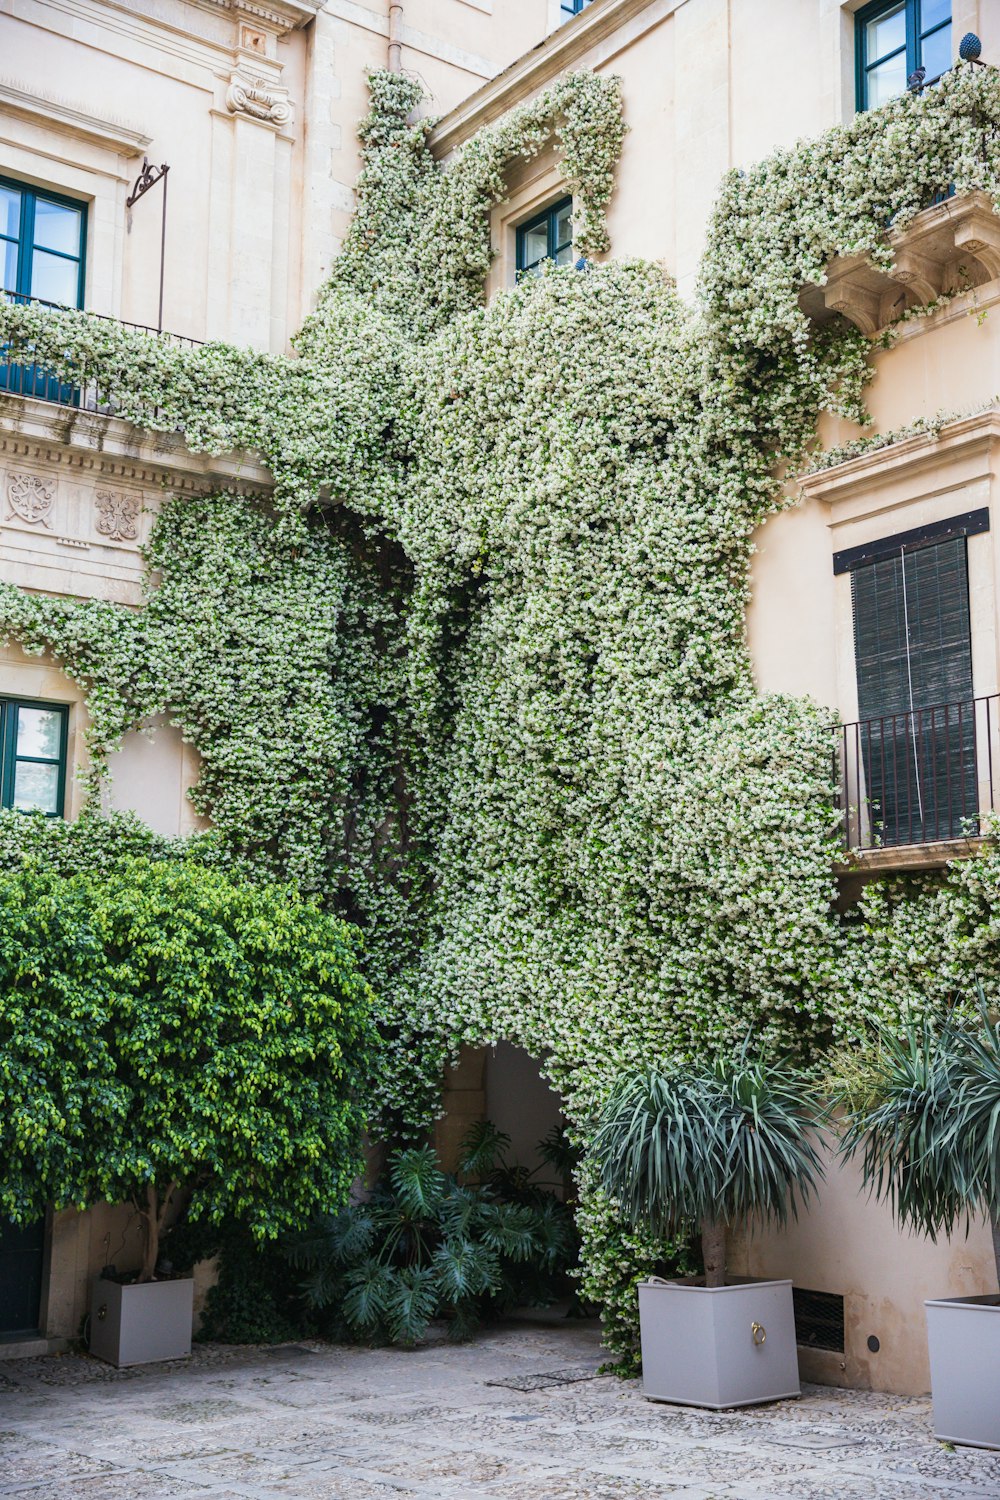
[
  {"x": 154, "y": 1216},
  {"x": 995, "y": 1226},
  {"x": 713, "y": 1249},
  {"x": 151, "y": 1249}
]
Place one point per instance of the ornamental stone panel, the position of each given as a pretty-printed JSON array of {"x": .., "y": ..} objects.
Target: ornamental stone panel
[
  {"x": 30, "y": 498},
  {"x": 117, "y": 515}
]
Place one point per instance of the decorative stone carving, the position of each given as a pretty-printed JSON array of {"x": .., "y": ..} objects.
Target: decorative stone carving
[
  {"x": 258, "y": 101},
  {"x": 31, "y": 498},
  {"x": 117, "y": 515}
]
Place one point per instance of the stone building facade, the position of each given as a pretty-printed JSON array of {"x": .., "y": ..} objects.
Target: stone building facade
[{"x": 252, "y": 105}]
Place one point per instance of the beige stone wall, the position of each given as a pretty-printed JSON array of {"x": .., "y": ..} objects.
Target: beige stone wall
[
  {"x": 254, "y": 106},
  {"x": 850, "y": 1246},
  {"x": 708, "y": 85}
]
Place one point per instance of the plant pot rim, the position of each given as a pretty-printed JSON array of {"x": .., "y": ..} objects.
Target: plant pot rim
[
  {"x": 127, "y": 1286},
  {"x": 985, "y": 1302},
  {"x": 734, "y": 1284}
]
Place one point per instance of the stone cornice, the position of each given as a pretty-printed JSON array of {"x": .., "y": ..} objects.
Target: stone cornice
[
  {"x": 71, "y": 119},
  {"x": 88, "y": 442},
  {"x": 967, "y": 440},
  {"x": 287, "y": 15},
  {"x": 561, "y": 50}
]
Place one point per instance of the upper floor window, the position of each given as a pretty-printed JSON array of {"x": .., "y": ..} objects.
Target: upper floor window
[
  {"x": 574, "y": 7},
  {"x": 893, "y": 39},
  {"x": 33, "y": 738},
  {"x": 548, "y": 236},
  {"x": 42, "y": 240}
]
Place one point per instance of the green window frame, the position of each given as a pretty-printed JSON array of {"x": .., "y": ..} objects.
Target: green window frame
[
  {"x": 43, "y": 243},
  {"x": 892, "y": 38},
  {"x": 544, "y": 237},
  {"x": 574, "y": 7},
  {"x": 34, "y": 735}
]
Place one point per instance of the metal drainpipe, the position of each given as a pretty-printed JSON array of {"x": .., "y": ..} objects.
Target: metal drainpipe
[{"x": 395, "y": 36}]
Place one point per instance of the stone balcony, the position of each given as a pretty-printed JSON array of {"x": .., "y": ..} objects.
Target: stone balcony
[{"x": 950, "y": 248}]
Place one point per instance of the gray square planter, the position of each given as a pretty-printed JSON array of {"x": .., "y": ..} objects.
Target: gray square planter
[
  {"x": 141, "y": 1323},
  {"x": 963, "y": 1338},
  {"x": 718, "y": 1346}
]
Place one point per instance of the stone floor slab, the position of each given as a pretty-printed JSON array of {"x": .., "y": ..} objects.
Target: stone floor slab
[{"x": 480, "y": 1421}]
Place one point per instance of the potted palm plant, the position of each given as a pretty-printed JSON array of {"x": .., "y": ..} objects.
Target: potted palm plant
[
  {"x": 720, "y": 1144},
  {"x": 923, "y": 1115}
]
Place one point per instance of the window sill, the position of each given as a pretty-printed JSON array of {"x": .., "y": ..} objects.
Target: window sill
[{"x": 907, "y": 859}]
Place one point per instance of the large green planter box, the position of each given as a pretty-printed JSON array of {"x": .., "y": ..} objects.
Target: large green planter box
[{"x": 141, "y": 1323}]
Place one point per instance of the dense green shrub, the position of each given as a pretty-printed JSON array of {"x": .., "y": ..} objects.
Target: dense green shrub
[
  {"x": 168, "y": 1034},
  {"x": 429, "y": 1244}
]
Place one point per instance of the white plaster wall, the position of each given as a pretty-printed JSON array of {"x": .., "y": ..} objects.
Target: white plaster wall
[
  {"x": 151, "y": 775},
  {"x": 950, "y": 362}
]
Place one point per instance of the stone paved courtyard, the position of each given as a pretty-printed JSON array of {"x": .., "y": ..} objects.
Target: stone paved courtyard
[{"x": 318, "y": 1422}]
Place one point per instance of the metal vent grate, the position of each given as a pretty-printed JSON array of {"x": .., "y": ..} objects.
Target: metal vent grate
[{"x": 819, "y": 1319}]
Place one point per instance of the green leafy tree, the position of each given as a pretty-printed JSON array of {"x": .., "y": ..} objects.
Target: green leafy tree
[
  {"x": 922, "y": 1112},
  {"x": 171, "y": 1037},
  {"x": 429, "y": 1244},
  {"x": 718, "y": 1144}
]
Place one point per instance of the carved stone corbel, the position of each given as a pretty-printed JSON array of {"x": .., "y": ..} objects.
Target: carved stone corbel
[
  {"x": 848, "y": 292},
  {"x": 257, "y": 100},
  {"x": 978, "y": 234},
  {"x": 919, "y": 274}
]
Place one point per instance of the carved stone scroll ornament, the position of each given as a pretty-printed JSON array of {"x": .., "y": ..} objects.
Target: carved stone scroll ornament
[
  {"x": 117, "y": 516},
  {"x": 31, "y": 499},
  {"x": 256, "y": 100}
]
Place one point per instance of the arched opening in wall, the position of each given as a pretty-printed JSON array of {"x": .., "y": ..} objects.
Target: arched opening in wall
[
  {"x": 520, "y": 1102},
  {"x": 503, "y": 1084}
]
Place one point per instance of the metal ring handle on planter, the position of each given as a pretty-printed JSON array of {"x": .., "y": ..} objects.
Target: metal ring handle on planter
[{"x": 758, "y": 1333}]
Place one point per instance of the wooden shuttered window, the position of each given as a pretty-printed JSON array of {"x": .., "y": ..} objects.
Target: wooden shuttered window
[{"x": 913, "y": 657}]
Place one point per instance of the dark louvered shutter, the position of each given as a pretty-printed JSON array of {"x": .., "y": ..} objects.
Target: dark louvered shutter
[{"x": 914, "y": 664}]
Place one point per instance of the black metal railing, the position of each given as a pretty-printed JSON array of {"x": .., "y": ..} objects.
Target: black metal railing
[
  {"x": 88, "y": 391},
  {"x": 917, "y": 777}
]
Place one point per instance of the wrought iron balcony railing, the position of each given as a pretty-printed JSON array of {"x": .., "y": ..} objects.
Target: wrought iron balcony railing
[
  {"x": 20, "y": 377},
  {"x": 919, "y": 777}
]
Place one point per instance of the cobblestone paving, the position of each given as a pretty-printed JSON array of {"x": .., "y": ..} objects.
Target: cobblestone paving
[{"x": 319, "y": 1422}]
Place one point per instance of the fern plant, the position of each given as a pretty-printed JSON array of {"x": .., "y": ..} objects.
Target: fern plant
[
  {"x": 926, "y": 1123},
  {"x": 434, "y": 1245},
  {"x": 715, "y": 1144}
]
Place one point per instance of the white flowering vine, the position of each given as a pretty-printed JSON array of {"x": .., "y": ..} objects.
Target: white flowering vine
[{"x": 481, "y": 673}]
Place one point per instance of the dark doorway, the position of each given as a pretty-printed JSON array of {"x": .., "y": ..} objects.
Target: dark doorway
[{"x": 22, "y": 1250}]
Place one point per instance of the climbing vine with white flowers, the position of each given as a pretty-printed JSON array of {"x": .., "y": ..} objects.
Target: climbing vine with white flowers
[{"x": 480, "y": 673}]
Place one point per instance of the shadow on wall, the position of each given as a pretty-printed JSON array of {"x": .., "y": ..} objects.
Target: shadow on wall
[{"x": 523, "y": 1106}]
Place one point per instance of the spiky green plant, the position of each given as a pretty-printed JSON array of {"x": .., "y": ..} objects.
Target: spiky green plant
[
  {"x": 927, "y": 1129},
  {"x": 429, "y": 1244},
  {"x": 720, "y": 1144}
]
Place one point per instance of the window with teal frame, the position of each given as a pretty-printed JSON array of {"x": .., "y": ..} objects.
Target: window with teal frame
[
  {"x": 548, "y": 236},
  {"x": 574, "y": 7},
  {"x": 33, "y": 737},
  {"x": 43, "y": 240},
  {"x": 893, "y": 38}
]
